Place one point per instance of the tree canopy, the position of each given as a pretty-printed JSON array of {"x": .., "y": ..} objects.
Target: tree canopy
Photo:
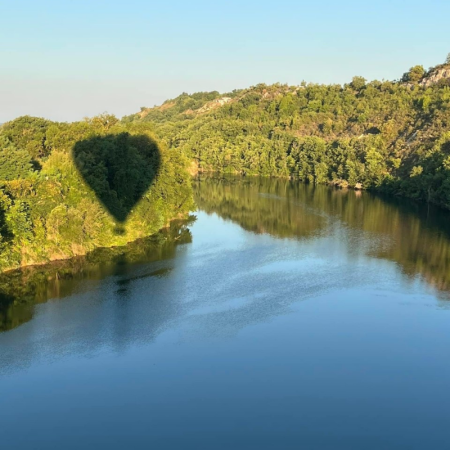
[
  {"x": 66, "y": 189},
  {"x": 414, "y": 74},
  {"x": 385, "y": 135}
]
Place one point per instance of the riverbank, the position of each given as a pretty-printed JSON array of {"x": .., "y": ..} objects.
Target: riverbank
[
  {"x": 69, "y": 188},
  {"x": 80, "y": 252},
  {"x": 389, "y": 136},
  {"x": 22, "y": 288}
]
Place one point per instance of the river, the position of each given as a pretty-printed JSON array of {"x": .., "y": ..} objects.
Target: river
[{"x": 284, "y": 316}]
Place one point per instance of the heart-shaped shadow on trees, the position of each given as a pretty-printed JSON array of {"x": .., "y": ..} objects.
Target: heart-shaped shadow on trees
[{"x": 119, "y": 168}]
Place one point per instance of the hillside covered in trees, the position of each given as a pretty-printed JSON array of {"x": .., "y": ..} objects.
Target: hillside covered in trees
[
  {"x": 392, "y": 136},
  {"x": 66, "y": 189}
]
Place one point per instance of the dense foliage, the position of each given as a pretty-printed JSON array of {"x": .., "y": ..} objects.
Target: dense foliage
[
  {"x": 66, "y": 189},
  {"x": 393, "y": 136}
]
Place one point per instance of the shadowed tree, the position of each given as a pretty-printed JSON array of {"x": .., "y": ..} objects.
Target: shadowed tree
[{"x": 119, "y": 168}]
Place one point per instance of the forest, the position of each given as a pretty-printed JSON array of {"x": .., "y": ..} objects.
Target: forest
[
  {"x": 389, "y": 136},
  {"x": 68, "y": 188}
]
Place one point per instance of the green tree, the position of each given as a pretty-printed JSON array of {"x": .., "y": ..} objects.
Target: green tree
[
  {"x": 414, "y": 74},
  {"x": 28, "y": 133},
  {"x": 99, "y": 184},
  {"x": 14, "y": 164},
  {"x": 358, "y": 83}
]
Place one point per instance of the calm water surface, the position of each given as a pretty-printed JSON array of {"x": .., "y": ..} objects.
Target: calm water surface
[{"x": 284, "y": 317}]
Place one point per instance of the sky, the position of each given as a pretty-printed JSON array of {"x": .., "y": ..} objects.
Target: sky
[{"x": 65, "y": 60}]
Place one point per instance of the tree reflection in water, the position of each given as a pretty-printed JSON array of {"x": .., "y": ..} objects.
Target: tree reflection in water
[{"x": 415, "y": 236}]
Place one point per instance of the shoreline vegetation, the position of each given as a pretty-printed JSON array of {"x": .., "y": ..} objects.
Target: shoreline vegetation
[
  {"x": 69, "y": 188},
  {"x": 387, "y": 136},
  {"x": 22, "y": 288},
  {"x": 415, "y": 236}
]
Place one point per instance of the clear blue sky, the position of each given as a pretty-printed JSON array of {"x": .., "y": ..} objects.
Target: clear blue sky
[{"x": 66, "y": 60}]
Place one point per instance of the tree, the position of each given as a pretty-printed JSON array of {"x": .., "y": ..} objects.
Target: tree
[
  {"x": 14, "y": 164},
  {"x": 28, "y": 133},
  {"x": 447, "y": 61},
  {"x": 358, "y": 83},
  {"x": 414, "y": 74}
]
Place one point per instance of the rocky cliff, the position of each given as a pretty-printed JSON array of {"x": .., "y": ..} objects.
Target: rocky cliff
[{"x": 436, "y": 75}]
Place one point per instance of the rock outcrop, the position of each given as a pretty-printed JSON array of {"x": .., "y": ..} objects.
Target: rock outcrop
[
  {"x": 214, "y": 104},
  {"x": 437, "y": 74}
]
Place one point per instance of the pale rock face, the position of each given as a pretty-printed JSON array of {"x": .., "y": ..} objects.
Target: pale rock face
[
  {"x": 439, "y": 74},
  {"x": 214, "y": 104}
]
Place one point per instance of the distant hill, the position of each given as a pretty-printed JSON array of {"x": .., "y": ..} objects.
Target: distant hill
[{"x": 387, "y": 135}]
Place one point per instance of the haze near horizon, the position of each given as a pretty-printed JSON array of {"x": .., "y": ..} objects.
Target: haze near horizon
[{"x": 67, "y": 61}]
